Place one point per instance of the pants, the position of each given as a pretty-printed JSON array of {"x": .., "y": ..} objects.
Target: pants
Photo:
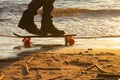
[{"x": 47, "y": 9}]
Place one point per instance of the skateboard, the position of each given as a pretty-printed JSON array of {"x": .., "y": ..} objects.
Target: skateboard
[{"x": 69, "y": 41}]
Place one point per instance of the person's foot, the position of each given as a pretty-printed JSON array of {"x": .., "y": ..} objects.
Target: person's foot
[
  {"x": 51, "y": 30},
  {"x": 32, "y": 29},
  {"x": 27, "y": 23},
  {"x": 47, "y": 26}
]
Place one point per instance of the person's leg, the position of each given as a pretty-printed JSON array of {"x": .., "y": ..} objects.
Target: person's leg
[
  {"x": 47, "y": 26},
  {"x": 27, "y": 20}
]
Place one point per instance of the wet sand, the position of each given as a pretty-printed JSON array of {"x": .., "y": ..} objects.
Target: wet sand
[{"x": 62, "y": 64}]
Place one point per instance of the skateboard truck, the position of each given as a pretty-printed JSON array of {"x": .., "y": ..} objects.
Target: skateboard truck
[
  {"x": 69, "y": 41},
  {"x": 26, "y": 42}
]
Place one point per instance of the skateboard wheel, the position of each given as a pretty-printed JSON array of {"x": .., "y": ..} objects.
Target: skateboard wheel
[{"x": 71, "y": 41}]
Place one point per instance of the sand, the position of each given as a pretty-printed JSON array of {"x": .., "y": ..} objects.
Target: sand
[{"x": 62, "y": 64}]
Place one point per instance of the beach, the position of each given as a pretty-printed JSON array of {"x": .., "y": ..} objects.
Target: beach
[
  {"x": 87, "y": 59},
  {"x": 94, "y": 56},
  {"x": 63, "y": 64}
]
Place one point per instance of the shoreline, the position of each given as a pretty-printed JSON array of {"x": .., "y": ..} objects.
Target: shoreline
[{"x": 92, "y": 50}]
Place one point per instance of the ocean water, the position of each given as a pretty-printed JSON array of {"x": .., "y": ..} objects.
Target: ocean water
[
  {"x": 83, "y": 17},
  {"x": 89, "y": 4}
]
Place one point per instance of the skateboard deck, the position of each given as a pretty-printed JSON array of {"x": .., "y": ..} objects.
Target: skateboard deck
[
  {"x": 26, "y": 39},
  {"x": 41, "y": 36}
]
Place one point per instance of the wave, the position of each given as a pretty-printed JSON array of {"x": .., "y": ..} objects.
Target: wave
[{"x": 59, "y": 12}]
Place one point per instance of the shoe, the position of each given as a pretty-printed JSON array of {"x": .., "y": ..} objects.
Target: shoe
[
  {"x": 51, "y": 30},
  {"x": 47, "y": 27},
  {"x": 32, "y": 30},
  {"x": 27, "y": 23}
]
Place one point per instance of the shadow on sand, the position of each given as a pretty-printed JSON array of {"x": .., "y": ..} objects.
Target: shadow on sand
[{"x": 34, "y": 49}]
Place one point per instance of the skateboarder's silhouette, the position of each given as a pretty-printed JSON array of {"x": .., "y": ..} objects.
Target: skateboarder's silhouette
[{"x": 47, "y": 27}]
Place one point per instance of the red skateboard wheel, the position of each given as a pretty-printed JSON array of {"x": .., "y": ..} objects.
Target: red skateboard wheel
[{"x": 71, "y": 41}]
